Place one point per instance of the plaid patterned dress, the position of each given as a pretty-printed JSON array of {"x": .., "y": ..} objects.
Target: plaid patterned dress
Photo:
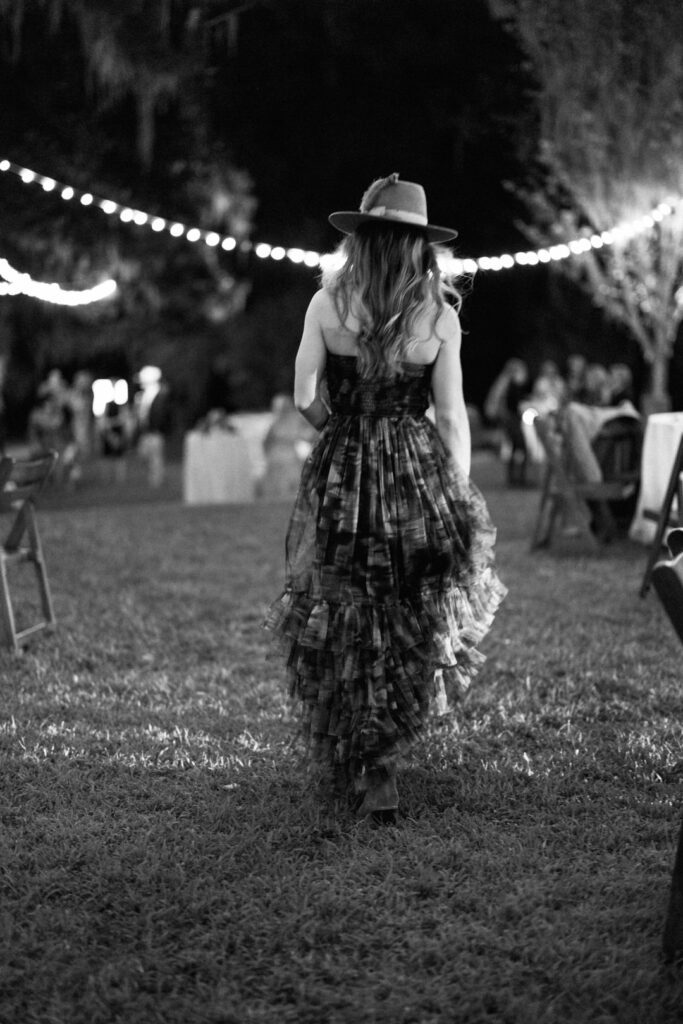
[{"x": 390, "y": 581}]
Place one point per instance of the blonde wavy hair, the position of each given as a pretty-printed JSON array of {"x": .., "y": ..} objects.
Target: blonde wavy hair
[{"x": 391, "y": 273}]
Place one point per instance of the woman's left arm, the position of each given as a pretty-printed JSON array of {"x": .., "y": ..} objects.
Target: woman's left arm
[{"x": 309, "y": 368}]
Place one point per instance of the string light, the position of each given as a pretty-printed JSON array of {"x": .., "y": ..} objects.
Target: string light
[
  {"x": 16, "y": 283},
  {"x": 263, "y": 250},
  {"x": 139, "y": 217}
]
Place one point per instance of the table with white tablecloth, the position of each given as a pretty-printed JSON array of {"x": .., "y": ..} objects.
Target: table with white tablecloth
[
  {"x": 217, "y": 468},
  {"x": 663, "y": 433}
]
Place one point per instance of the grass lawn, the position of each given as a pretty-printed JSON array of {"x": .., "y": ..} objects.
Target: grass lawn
[{"x": 162, "y": 858}]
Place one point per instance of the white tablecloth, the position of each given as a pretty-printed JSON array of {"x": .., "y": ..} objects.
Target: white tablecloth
[
  {"x": 217, "y": 468},
  {"x": 662, "y": 436}
]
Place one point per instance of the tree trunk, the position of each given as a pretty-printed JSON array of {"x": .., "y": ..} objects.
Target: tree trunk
[{"x": 656, "y": 398}]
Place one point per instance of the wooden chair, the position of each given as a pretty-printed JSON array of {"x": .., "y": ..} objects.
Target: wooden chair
[
  {"x": 667, "y": 579},
  {"x": 20, "y": 483},
  {"x": 594, "y": 507},
  {"x": 664, "y": 517}
]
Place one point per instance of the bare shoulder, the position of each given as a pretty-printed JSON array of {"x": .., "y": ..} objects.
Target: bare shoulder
[
  {"x": 448, "y": 324},
  {"x": 322, "y": 307},
  {"x": 435, "y": 325}
]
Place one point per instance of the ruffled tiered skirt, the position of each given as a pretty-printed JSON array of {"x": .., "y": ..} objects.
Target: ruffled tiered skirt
[{"x": 390, "y": 585}]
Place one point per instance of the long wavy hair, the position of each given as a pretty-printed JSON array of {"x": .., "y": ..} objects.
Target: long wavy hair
[{"x": 388, "y": 275}]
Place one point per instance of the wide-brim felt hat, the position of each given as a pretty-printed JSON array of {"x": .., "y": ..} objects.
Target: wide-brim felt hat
[{"x": 390, "y": 200}]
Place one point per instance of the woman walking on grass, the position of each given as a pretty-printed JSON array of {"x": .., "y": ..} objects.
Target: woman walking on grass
[{"x": 390, "y": 582}]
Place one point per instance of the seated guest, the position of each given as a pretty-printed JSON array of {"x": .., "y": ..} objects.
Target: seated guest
[
  {"x": 576, "y": 376},
  {"x": 604, "y": 400},
  {"x": 620, "y": 381},
  {"x": 549, "y": 390},
  {"x": 596, "y": 387},
  {"x": 502, "y": 407}
]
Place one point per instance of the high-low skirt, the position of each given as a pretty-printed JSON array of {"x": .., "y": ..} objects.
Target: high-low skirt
[{"x": 390, "y": 586}]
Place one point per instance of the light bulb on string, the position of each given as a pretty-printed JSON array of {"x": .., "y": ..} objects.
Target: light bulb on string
[
  {"x": 619, "y": 233},
  {"x": 18, "y": 283}
]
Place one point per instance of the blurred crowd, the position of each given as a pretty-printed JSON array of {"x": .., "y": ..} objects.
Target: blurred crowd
[
  {"x": 82, "y": 423},
  {"x": 88, "y": 422},
  {"x": 578, "y": 402},
  {"x": 66, "y": 418}
]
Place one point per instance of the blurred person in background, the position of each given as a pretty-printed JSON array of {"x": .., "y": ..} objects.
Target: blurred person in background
[
  {"x": 596, "y": 387},
  {"x": 155, "y": 422},
  {"x": 620, "y": 384},
  {"x": 115, "y": 429},
  {"x": 50, "y": 425},
  {"x": 549, "y": 390},
  {"x": 576, "y": 376},
  {"x": 78, "y": 399},
  {"x": 502, "y": 408},
  {"x": 606, "y": 396},
  {"x": 286, "y": 445}
]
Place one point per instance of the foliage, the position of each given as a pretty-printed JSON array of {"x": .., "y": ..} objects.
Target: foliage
[
  {"x": 164, "y": 856},
  {"x": 109, "y": 60},
  {"x": 151, "y": 50},
  {"x": 610, "y": 98}
]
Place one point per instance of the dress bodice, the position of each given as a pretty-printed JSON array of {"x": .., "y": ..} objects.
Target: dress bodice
[{"x": 352, "y": 395}]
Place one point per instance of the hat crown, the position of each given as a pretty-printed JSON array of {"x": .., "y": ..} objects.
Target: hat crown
[
  {"x": 397, "y": 197},
  {"x": 395, "y": 202}
]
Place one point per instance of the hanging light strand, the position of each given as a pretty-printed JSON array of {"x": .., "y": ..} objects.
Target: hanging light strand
[
  {"x": 175, "y": 228},
  {"x": 623, "y": 232},
  {"x": 15, "y": 283},
  {"x": 452, "y": 265}
]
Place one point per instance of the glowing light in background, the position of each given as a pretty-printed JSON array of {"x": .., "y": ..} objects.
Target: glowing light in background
[
  {"x": 264, "y": 250},
  {"x": 106, "y": 390},
  {"x": 22, "y": 284}
]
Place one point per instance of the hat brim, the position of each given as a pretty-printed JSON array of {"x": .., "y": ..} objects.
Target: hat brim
[{"x": 348, "y": 220}]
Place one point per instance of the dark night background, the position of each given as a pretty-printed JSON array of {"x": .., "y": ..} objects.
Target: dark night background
[{"x": 312, "y": 100}]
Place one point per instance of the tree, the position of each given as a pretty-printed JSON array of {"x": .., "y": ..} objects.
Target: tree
[
  {"x": 125, "y": 117},
  {"x": 151, "y": 50},
  {"x": 609, "y": 96}
]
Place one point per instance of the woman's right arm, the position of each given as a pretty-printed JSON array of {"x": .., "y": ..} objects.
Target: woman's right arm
[
  {"x": 310, "y": 367},
  {"x": 450, "y": 410}
]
